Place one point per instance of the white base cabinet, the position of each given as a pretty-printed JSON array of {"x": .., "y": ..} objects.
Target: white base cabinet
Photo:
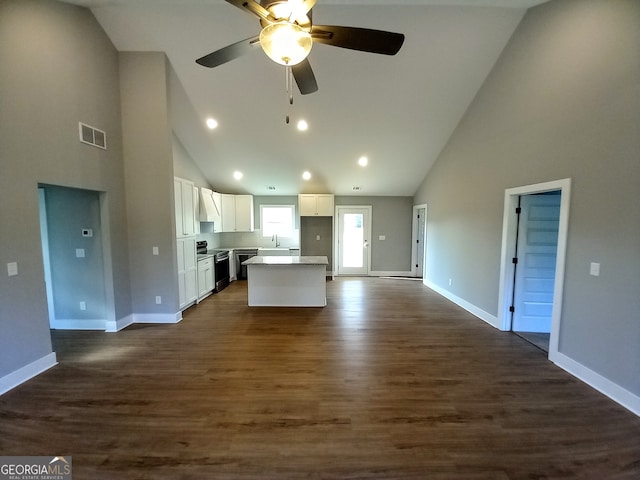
[
  {"x": 206, "y": 277},
  {"x": 287, "y": 282},
  {"x": 187, "y": 271}
]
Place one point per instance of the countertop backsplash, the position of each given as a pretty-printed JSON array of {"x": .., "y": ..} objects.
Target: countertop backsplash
[{"x": 245, "y": 239}]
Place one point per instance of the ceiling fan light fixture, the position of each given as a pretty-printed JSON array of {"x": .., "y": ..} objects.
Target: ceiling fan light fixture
[{"x": 285, "y": 43}]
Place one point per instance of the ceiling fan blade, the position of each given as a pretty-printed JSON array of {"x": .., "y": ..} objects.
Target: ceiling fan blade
[
  {"x": 363, "y": 39},
  {"x": 305, "y": 78},
  {"x": 228, "y": 53},
  {"x": 254, "y": 8}
]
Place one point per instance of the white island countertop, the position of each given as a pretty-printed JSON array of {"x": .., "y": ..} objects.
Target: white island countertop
[
  {"x": 287, "y": 260},
  {"x": 296, "y": 281}
]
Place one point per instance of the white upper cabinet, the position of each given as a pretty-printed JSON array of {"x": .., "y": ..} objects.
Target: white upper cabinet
[
  {"x": 315, "y": 205},
  {"x": 186, "y": 207},
  {"x": 237, "y": 213},
  {"x": 244, "y": 213}
]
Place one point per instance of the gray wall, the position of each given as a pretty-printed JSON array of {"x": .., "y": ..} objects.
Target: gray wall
[
  {"x": 148, "y": 156},
  {"x": 563, "y": 101},
  {"x": 391, "y": 217},
  {"x": 310, "y": 229},
  {"x": 49, "y": 81},
  {"x": 185, "y": 167}
]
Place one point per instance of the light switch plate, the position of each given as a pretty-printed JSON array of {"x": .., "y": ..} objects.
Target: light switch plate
[
  {"x": 156, "y": 251},
  {"x": 12, "y": 269},
  {"x": 79, "y": 252},
  {"x": 594, "y": 269},
  {"x": 382, "y": 237}
]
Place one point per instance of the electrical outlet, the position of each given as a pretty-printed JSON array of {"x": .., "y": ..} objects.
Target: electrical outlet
[
  {"x": 156, "y": 251},
  {"x": 382, "y": 237},
  {"x": 594, "y": 269},
  {"x": 450, "y": 282},
  {"x": 79, "y": 252},
  {"x": 83, "y": 305},
  {"x": 317, "y": 237},
  {"x": 158, "y": 299}
]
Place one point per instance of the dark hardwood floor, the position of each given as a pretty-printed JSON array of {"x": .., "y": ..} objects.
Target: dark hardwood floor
[{"x": 389, "y": 381}]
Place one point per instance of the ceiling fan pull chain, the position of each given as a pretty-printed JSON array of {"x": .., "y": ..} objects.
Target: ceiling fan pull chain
[{"x": 289, "y": 86}]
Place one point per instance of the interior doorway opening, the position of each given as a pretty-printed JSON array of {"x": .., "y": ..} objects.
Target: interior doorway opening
[
  {"x": 534, "y": 239},
  {"x": 538, "y": 217},
  {"x": 76, "y": 258}
]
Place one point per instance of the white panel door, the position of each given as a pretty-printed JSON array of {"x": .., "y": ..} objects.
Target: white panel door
[
  {"x": 353, "y": 240},
  {"x": 535, "y": 270}
]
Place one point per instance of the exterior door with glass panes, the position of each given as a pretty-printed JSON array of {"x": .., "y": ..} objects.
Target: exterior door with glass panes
[{"x": 353, "y": 240}]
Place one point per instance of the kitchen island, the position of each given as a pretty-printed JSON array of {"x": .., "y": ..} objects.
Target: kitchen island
[{"x": 287, "y": 281}]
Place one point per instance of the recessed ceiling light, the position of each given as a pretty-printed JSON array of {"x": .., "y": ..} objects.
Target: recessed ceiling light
[
  {"x": 306, "y": 175},
  {"x": 211, "y": 123},
  {"x": 303, "y": 125},
  {"x": 237, "y": 175},
  {"x": 363, "y": 161}
]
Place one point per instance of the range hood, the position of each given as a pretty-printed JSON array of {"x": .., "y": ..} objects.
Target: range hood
[{"x": 210, "y": 206}]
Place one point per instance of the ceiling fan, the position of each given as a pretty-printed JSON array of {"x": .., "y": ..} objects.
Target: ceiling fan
[{"x": 288, "y": 34}]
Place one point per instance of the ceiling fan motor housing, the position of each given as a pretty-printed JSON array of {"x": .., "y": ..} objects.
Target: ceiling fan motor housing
[{"x": 281, "y": 10}]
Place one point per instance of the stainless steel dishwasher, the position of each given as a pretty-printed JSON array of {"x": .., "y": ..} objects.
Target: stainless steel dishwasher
[{"x": 243, "y": 254}]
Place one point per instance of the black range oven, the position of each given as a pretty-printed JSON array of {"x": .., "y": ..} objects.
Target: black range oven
[{"x": 221, "y": 267}]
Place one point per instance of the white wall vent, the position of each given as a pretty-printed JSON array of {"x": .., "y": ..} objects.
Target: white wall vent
[{"x": 92, "y": 136}]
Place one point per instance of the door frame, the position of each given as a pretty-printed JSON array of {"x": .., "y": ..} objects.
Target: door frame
[
  {"x": 509, "y": 231},
  {"x": 44, "y": 239},
  {"x": 110, "y": 322},
  {"x": 336, "y": 238},
  {"x": 414, "y": 247}
]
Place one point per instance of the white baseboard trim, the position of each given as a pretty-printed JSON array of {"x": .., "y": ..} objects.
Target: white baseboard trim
[
  {"x": 605, "y": 386},
  {"x": 27, "y": 372},
  {"x": 469, "y": 307},
  {"x": 390, "y": 274},
  {"x": 157, "y": 317},
  {"x": 76, "y": 324},
  {"x": 117, "y": 325}
]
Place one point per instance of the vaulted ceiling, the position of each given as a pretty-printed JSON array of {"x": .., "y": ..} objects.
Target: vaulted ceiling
[{"x": 398, "y": 111}]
